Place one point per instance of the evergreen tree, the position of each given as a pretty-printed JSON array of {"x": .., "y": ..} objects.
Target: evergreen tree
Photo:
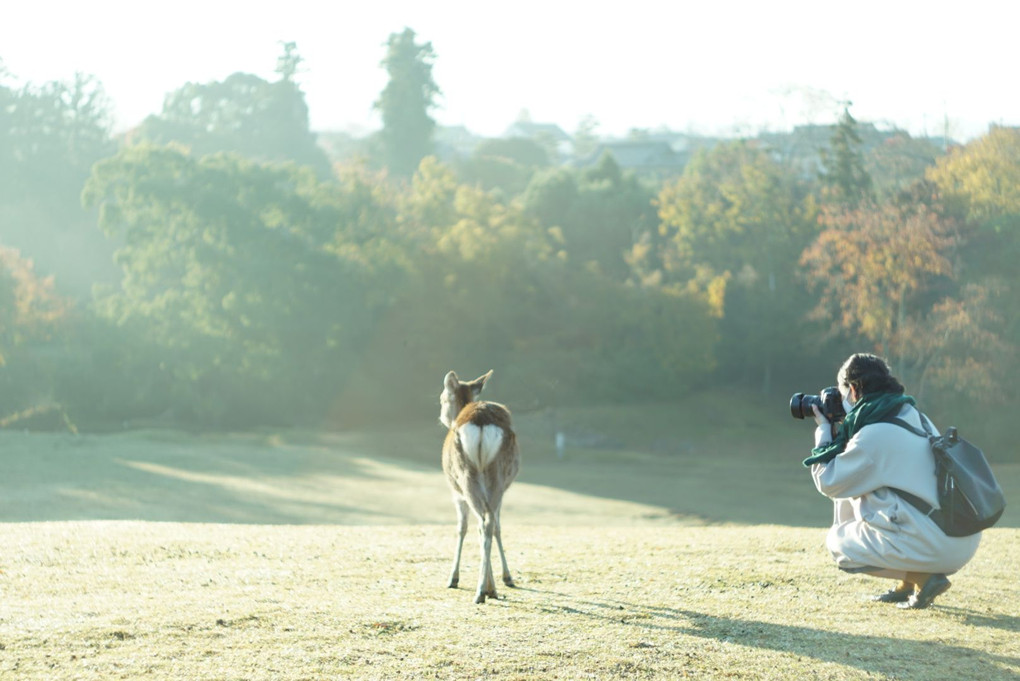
[
  {"x": 406, "y": 135},
  {"x": 287, "y": 64},
  {"x": 845, "y": 181}
]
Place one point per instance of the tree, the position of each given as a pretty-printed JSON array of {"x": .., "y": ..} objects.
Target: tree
[
  {"x": 504, "y": 164},
  {"x": 30, "y": 309},
  {"x": 886, "y": 274},
  {"x": 731, "y": 229},
  {"x": 889, "y": 275},
  {"x": 982, "y": 179},
  {"x": 241, "y": 275},
  {"x": 32, "y": 317},
  {"x": 958, "y": 347},
  {"x": 7, "y": 98},
  {"x": 899, "y": 162},
  {"x": 552, "y": 196},
  {"x": 405, "y": 102},
  {"x": 586, "y": 138},
  {"x": 488, "y": 285},
  {"x": 287, "y": 64},
  {"x": 979, "y": 185},
  {"x": 875, "y": 265},
  {"x": 243, "y": 114},
  {"x": 599, "y": 211},
  {"x": 51, "y": 135},
  {"x": 844, "y": 179}
]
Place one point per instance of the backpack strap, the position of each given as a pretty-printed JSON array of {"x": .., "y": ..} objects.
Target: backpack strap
[
  {"x": 918, "y": 503},
  {"x": 926, "y": 433}
]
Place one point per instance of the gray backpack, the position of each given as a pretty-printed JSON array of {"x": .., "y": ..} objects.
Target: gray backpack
[{"x": 970, "y": 499}]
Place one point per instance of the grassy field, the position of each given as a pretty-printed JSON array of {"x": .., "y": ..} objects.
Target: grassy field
[{"x": 688, "y": 551}]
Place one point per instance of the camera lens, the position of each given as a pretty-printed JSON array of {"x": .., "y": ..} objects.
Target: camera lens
[{"x": 797, "y": 406}]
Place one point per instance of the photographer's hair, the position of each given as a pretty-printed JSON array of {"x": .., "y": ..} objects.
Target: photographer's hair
[{"x": 868, "y": 374}]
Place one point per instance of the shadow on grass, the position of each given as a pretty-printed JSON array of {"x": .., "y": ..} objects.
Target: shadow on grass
[
  {"x": 894, "y": 656},
  {"x": 168, "y": 476},
  {"x": 302, "y": 478},
  {"x": 897, "y": 657},
  {"x": 720, "y": 471},
  {"x": 743, "y": 485},
  {"x": 990, "y": 621}
]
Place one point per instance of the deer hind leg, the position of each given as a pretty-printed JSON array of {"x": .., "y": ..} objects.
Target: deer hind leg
[
  {"x": 477, "y": 500},
  {"x": 496, "y": 486},
  {"x": 487, "y": 585},
  {"x": 507, "y": 579},
  {"x": 462, "y": 520}
]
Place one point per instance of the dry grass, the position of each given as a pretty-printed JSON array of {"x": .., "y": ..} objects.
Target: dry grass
[
  {"x": 108, "y": 600},
  {"x": 310, "y": 556}
]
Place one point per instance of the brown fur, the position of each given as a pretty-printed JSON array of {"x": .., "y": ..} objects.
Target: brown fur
[
  {"x": 481, "y": 491},
  {"x": 484, "y": 414}
]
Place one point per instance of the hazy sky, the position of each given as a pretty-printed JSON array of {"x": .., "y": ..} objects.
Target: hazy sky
[{"x": 713, "y": 67}]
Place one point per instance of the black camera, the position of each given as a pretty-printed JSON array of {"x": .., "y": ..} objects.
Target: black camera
[{"x": 829, "y": 402}]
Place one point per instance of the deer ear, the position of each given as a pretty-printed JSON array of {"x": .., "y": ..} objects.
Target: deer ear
[
  {"x": 479, "y": 383},
  {"x": 451, "y": 382}
]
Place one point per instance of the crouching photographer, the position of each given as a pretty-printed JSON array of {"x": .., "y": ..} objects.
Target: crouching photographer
[{"x": 860, "y": 461}]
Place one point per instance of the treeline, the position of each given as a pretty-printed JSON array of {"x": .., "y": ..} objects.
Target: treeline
[{"x": 214, "y": 268}]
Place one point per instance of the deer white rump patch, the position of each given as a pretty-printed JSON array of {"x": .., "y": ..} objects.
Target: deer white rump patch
[{"x": 481, "y": 444}]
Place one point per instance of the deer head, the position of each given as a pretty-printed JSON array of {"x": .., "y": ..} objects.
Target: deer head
[{"x": 458, "y": 394}]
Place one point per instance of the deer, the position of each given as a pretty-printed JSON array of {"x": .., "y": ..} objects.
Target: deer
[{"x": 480, "y": 460}]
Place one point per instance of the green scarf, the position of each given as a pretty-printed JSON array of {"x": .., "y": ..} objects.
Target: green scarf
[{"x": 873, "y": 408}]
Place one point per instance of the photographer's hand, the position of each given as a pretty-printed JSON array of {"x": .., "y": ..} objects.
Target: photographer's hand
[{"x": 823, "y": 433}]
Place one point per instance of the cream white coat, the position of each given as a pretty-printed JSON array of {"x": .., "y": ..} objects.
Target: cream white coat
[{"x": 875, "y": 531}]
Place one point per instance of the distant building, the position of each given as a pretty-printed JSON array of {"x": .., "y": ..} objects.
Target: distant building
[
  {"x": 804, "y": 148},
  {"x": 800, "y": 148},
  {"x": 549, "y": 135},
  {"x": 454, "y": 141},
  {"x": 653, "y": 158}
]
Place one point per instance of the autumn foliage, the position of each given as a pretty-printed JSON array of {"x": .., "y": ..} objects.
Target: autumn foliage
[
  {"x": 227, "y": 279},
  {"x": 30, "y": 309}
]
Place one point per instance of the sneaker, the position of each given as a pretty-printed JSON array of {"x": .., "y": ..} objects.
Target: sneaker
[
  {"x": 898, "y": 595},
  {"x": 934, "y": 587}
]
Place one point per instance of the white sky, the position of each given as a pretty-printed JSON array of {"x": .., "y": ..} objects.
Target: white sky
[{"x": 705, "y": 66}]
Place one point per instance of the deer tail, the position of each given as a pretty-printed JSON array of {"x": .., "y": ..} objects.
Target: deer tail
[{"x": 480, "y": 444}]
